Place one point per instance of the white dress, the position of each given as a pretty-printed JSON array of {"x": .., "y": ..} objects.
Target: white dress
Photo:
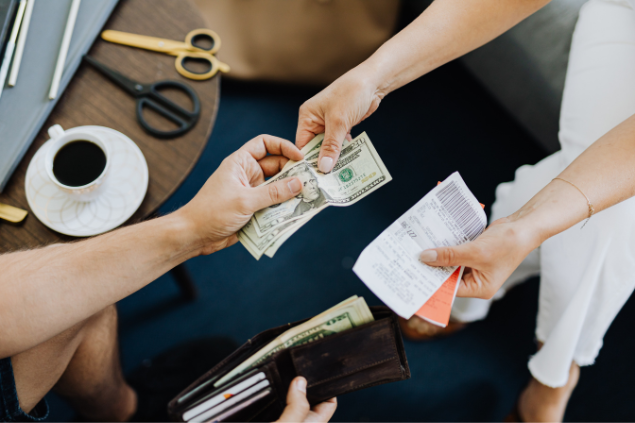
[{"x": 586, "y": 275}]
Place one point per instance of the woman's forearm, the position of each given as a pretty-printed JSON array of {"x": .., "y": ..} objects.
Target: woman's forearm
[
  {"x": 604, "y": 172},
  {"x": 447, "y": 29}
]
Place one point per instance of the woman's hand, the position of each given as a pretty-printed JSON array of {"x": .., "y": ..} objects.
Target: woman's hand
[
  {"x": 231, "y": 195},
  {"x": 489, "y": 260},
  {"x": 335, "y": 110},
  {"x": 298, "y": 409}
]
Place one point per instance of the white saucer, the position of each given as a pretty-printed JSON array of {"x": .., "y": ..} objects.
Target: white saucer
[{"x": 124, "y": 189}]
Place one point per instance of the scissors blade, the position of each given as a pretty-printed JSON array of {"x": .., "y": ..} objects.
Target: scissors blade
[
  {"x": 143, "y": 41},
  {"x": 133, "y": 87}
]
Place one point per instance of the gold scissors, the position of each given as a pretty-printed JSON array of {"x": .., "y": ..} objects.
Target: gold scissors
[{"x": 182, "y": 50}]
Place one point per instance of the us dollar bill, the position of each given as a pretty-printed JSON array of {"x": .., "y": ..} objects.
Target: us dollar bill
[
  {"x": 358, "y": 172},
  {"x": 313, "y": 146},
  {"x": 257, "y": 245},
  {"x": 310, "y": 200},
  {"x": 348, "y": 314},
  {"x": 273, "y": 247}
]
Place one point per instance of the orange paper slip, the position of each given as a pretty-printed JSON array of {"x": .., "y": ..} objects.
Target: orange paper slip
[{"x": 438, "y": 308}]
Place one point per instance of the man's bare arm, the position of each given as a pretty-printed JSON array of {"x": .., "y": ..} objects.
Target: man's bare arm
[{"x": 46, "y": 291}]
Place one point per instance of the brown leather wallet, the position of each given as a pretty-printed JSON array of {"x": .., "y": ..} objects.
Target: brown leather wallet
[{"x": 365, "y": 356}]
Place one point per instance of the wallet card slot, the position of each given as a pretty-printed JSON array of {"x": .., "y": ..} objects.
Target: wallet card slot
[
  {"x": 278, "y": 386},
  {"x": 204, "y": 384},
  {"x": 347, "y": 352},
  {"x": 249, "y": 408}
]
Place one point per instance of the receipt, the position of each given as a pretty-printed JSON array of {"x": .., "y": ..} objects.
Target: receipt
[{"x": 448, "y": 215}]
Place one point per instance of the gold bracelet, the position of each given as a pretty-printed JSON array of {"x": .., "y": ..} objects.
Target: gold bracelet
[{"x": 591, "y": 209}]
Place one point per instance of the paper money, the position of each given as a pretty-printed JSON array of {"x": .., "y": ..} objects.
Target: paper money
[
  {"x": 358, "y": 172},
  {"x": 309, "y": 151},
  {"x": 277, "y": 243},
  {"x": 257, "y": 245},
  {"x": 311, "y": 200},
  {"x": 346, "y": 315}
]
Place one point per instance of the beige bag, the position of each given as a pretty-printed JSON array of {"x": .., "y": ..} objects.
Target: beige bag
[{"x": 305, "y": 41}]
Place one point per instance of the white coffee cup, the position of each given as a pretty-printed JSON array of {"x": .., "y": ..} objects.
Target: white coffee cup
[{"x": 59, "y": 138}]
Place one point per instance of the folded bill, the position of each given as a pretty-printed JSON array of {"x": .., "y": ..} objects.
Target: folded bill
[{"x": 358, "y": 172}]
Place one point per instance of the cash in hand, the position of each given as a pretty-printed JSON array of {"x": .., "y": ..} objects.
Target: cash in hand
[{"x": 358, "y": 172}]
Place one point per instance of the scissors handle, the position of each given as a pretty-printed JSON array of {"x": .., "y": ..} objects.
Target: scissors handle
[
  {"x": 153, "y": 99},
  {"x": 203, "y": 33},
  {"x": 215, "y": 65},
  {"x": 143, "y": 41},
  {"x": 164, "y": 45}
]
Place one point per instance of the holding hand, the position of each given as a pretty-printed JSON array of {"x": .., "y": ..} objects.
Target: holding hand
[
  {"x": 489, "y": 260},
  {"x": 298, "y": 409},
  {"x": 334, "y": 111},
  {"x": 231, "y": 195}
]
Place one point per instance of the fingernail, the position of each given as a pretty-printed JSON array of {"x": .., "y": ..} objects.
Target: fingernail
[
  {"x": 295, "y": 186},
  {"x": 326, "y": 164},
  {"x": 300, "y": 385},
  {"x": 428, "y": 256}
]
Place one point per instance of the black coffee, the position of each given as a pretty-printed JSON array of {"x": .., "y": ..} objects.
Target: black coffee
[{"x": 79, "y": 163}]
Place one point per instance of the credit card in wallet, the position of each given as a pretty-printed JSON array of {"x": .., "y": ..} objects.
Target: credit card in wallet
[
  {"x": 223, "y": 394},
  {"x": 215, "y": 410},
  {"x": 241, "y": 406}
]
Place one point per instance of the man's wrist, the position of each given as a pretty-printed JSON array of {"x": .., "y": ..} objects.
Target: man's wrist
[{"x": 182, "y": 235}]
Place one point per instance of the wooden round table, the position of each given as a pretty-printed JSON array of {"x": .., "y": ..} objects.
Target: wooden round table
[{"x": 91, "y": 99}]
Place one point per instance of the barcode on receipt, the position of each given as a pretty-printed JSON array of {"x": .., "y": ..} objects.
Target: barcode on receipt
[{"x": 459, "y": 208}]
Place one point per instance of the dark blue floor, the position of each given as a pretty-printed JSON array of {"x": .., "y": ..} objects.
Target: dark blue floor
[{"x": 428, "y": 129}]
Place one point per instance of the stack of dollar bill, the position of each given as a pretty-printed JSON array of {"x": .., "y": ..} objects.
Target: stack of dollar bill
[
  {"x": 358, "y": 172},
  {"x": 346, "y": 315}
]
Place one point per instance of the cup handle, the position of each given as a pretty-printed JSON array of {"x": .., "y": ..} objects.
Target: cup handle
[{"x": 55, "y": 131}]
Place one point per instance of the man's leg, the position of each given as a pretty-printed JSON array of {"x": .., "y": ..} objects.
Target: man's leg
[{"x": 82, "y": 365}]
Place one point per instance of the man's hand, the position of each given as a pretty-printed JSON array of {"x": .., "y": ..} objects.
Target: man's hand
[
  {"x": 65, "y": 284},
  {"x": 231, "y": 195},
  {"x": 298, "y": 409},
  {"x": 489, "y": 260},
  {"x": 334, "y": 111}
]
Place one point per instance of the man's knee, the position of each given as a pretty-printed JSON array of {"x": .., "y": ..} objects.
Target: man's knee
[
  {"x": 37, "y": 370},
  {"x": 105, "y": 319}
]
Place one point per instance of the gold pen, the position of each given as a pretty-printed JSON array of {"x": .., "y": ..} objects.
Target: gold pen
[{"x": 12, "y": 214}]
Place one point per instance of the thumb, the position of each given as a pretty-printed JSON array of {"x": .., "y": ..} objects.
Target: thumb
[
  {"x": 447, "y": 256},
  {"x": 297, "y": 408},
  {"x": 334, "y": 136},
  {"x": 275, "y": 193}
]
